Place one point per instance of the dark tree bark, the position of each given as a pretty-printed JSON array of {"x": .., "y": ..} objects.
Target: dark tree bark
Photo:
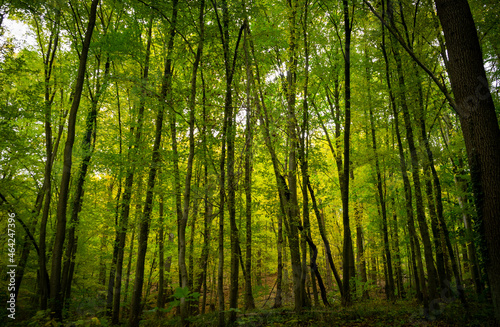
[
  {"x": 249, "y": 300},
  {"x": 344, "y": 188},
  {"x": 57, "y": 253},
  {"x": 479, "y": 125},
  {"x": 314, "y": 268},
  {"x": 304, "y": 164}
]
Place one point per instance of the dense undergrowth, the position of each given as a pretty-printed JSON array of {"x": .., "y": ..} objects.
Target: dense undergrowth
[
  {"x": 367, "y": 313},
  {"x": 374, "y": 312}
]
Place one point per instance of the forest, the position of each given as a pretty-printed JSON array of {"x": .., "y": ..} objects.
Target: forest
[{"x": 250, "y": 162}]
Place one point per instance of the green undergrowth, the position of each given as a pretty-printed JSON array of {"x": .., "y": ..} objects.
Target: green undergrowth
[
  {"x": 366, "y": 313},
  {"x": 376, "y": 312}
]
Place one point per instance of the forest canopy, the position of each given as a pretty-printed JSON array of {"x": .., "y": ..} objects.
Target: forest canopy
[{"x": 253, "y": 162}]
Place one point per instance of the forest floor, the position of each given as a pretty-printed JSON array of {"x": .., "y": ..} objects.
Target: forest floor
[
  {"x": 376, "y": 311},
  {"x": 364, "y": 313}
]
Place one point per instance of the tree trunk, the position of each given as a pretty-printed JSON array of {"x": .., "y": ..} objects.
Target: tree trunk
[
  {"x": 361, "y": 252},
  {"x": 133, "y": 153},
  {"x": 397, "y": 256},
  {"x": 129, "y": 264},
  {"x": 469, "y": 236},
  {"x": 201, "y": 279},
  {"x": 57, "y": 253},
  {"x": 160, "y": 301},
  {"x": 136, "y": 307},
  {"x": 249, "y": 300},
  {"x": 424, "y": 229},
  {"x": 418, "y": 270},
  {"x": 278, "y": 299},
  {"x": 442, "y": 239},
  {"x": 283, "y": 190},
  {"x": 344, "y": 187},
  {"x": 479, "y": 126},
  {"x": 45, "y": 193},
  {"x": 87, "y": 149},
  {"x": 291, "y": 193},
  {"x": 387, "y": 249},
  {"x": 321, "y": 225},
  {"x": 228, "y": 135}
]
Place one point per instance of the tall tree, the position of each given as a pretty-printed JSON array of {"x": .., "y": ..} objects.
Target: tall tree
[
  {"x": 479, "y": 124},
  {"x": 347, "y": 251},
  {"x": 228, "y": 135},
  {"x": 380, "y": 193},
  {"x": 136, "y": 306},
  {"x": 291, "y": 195},
  {"x": 249, "y": 300},
  {"x": 115, "y": 280},
  {"x": 189, "y": 171},
  {"x": 57, "y": 253}
]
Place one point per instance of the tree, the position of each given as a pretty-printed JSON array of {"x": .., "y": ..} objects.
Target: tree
[
  {"x": 136, "y": 307},
  {"x": 57, "y": 253},
  {"x": 479, "y": 123}
]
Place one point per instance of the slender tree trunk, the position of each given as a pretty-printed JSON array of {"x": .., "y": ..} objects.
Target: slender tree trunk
[
  {"x": 361, "y": 252},
  {"x": 249, "y": 300},
  {"x": 136, "y": 307},
  {"x": 57, "y": 253},
  {"x": 129, "y": 264},
  {"x": 291, "y": 194},
  {"x": 283, "y": 191},
  {"x": 424, "y": 229},
  {"x": 87, "y": 148},
  {"x": 187, "y": 185},
  {"x": 469, "y": 236},
  {"x": 322, "y": 231},
  {"x": 442, "y": 239},
  {"x": 303, "y": 158},
  {"x": 347, "y": 244},
  {"x": 387, "y": 250},
  {"x": 160, "y": 301},
  {"x": 418, "y": 270},
  {"x": 192, "y": 226},
  {"x": 228, "y": 135},
  {"x": 397, "y": 256},
  {"x": 45, "y": 192},
  {"x": 115, "y": 281},
  {"x": 278, "y": 299},
  {"x": 201, "y": 279}
]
